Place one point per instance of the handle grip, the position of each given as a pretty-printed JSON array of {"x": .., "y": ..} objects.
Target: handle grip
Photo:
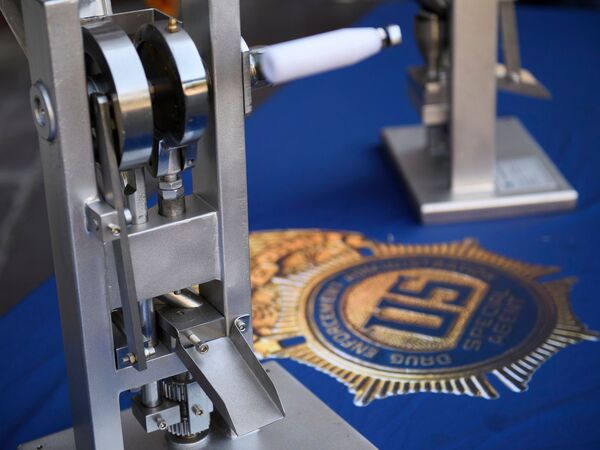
[{"x": 311, "y": 55}]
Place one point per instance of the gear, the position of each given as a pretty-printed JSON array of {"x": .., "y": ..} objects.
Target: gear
[{"x": 195, "y": 415}]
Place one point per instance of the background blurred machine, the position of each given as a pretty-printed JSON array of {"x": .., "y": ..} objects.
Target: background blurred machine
[
  {"x": 464, "y": 163},
  {"x": 156, "y": 301}
]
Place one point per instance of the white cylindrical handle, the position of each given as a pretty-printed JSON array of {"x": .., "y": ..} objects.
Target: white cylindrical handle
[{"x": 311, "y": 55}]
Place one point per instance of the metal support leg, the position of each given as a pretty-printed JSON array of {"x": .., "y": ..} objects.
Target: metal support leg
[
  {"x": 70, "y": 182},
  {"x": 473, "y": 123},
  {"x": 220, "y": 175}
]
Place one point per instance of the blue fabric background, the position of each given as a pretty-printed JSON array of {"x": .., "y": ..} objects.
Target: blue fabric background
[{"x": 315, "y": 160}]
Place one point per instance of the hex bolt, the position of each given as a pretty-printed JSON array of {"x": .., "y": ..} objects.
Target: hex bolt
[
  {"x": 162, "y": 425},
  {"x": 201, "y": 347},
  {"x": 171, "y": 196},
  {"x": 197, "y": 410}
]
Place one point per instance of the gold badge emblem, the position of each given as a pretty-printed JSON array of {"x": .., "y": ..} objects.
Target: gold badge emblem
[{"x": 396, "y": 319}]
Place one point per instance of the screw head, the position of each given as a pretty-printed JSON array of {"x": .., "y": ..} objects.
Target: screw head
[
  {"x": 241, "y": 325},
  {"x": 515, "y": 77},
  {"x": 197, "y": 410},
  {"x": 115, "y": 230},
  {"x": 162, "y": 425},
  {"x": 129, "y": 358},
  {"x": 202, "y": 347}
]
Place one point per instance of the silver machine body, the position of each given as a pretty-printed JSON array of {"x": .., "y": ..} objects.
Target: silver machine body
[
  {"x": 464, "y": 163},
  {"x": 156, "y": 301}
]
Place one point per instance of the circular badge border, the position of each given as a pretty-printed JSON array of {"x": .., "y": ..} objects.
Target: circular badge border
[{"x": 537, "y": 336}]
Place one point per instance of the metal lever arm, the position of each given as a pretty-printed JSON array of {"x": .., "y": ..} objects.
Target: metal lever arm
[
  {"x": 510, "y": 38},
  {"x": 113, "y": 194},
  {"x": 311, "y": 55},
  {"x": 512, "y": 77}
]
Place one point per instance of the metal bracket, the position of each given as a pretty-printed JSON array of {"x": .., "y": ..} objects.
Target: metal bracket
[
  {"x": 158, "y": 418},
  {"x": 204, "y": 322},
  {"x": 101, "y": 220}
]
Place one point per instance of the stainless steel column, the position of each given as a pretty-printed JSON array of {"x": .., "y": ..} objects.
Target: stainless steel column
[
  {"x": 473, "y": 95},
  {"x": 220, "y": 172},
  {"x": 70, "y": 182}
]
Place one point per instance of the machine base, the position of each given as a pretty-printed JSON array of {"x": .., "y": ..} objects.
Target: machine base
[
  {"x": 527, "y": 182},
  {"x": 308, "y": 424}
]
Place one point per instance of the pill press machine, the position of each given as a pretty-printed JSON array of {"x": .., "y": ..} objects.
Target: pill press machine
[
  {"x": 463, "y": 163},
  {"x": 156, "y": 301}
]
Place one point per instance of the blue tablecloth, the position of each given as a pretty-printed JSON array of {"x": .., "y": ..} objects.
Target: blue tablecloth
[{"x": 315, "y": 160}]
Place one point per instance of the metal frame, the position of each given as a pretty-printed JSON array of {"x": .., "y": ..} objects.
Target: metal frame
[{"x": 83, "y": 261}]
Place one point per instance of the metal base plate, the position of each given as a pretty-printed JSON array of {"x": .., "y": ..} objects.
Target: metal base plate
[
  {"x": 527, "y": 182},
  {"x": 308, "y": 424}
]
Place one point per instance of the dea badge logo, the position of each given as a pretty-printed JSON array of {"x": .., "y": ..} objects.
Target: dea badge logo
[{"x": 397, "y": 319}]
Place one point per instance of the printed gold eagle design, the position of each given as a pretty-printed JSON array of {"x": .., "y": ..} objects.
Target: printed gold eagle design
[{"x": 389, "y": 319}]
